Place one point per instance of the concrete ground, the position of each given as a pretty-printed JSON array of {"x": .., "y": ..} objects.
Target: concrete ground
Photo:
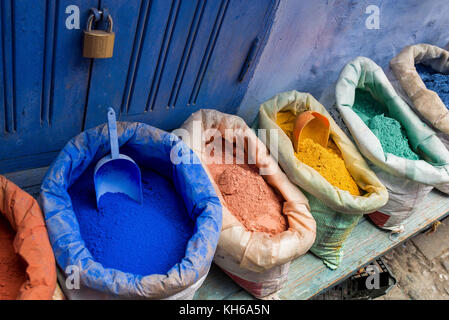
[{"x": 421, "y": 266}]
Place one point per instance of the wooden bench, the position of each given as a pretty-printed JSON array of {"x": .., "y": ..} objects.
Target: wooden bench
[{"x": 308, "y": 276}]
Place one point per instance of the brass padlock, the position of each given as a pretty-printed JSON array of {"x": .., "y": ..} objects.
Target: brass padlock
[{"x": 98, "y": 43}]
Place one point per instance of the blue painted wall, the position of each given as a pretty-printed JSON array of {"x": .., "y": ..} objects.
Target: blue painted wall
[
  {"x": 161, "y": 71},
  {"x": 311, "y": 41}
]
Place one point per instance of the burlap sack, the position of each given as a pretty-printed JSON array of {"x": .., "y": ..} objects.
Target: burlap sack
[
  {"x": 246, "y": 255},
  {"x": 403, "y": 194},
  {"x": 408, "y": 181},
  {"x": 425, "y": 101},
  {"x": 308, "y": 178},
  {"x": 150, "y": 148},
  {"x": 31, "y": 241},
  {"x": 409, "y": 85},
  {"x": 336, "y": 211}
]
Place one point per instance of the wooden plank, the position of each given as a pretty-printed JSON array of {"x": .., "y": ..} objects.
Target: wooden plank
[
  {"x": 213, "y": 288},
  {"x": 37, "y": 160},
  {"x": 34, "y": 191},
  {"x": 180, "y": 48},
  {"x": 108, "y": 76},
  {"x": 27, "y": 178},
  {"x": 308, "y": 276},
  {"x": 7, "y": 42},
  {"x": 44, "y": 80}
]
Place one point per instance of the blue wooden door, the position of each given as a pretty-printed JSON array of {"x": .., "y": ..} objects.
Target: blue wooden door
[
  {"x": 173, "y": 57},
  {"x": 44, "y": 80}
]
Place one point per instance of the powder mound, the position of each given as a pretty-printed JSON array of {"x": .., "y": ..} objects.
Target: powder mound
[
  {"x": 286, "y": 120},
  {"x": 247, "y": 195},
  {"x": 389, "y": 131},
  {"x": 329, "y": 163},
  {"x": 435, "y": 81},
  {"x": 391, "y": 136},
  {"x": 144, "y": 239},
  {"x": 366, "y": 106},
  {"x": 251, "y": 200},
  {"x": 12, "y": 267}
]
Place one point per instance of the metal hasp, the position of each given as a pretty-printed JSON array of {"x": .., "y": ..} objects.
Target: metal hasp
[
  {"x": 117, "y": 173},
  {"x": 98, "y": 43}
]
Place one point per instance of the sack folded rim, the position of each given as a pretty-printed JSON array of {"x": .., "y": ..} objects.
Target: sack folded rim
[
  {"x": 362, "y": 72},
  {"x": 148, "y": 144},
  {"x": 309, "y": 179},
  {"x": 258, "y": 251},
  {"x": 403, "y": 67},
  {"x": 31, "y": 241}
]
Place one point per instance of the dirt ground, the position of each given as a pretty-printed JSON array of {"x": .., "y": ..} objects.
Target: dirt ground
[{"x": 421, "y": 266}]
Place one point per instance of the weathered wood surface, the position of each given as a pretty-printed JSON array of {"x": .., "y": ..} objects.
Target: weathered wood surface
[
  {"x": 28, "y": 180},
  {"x": 308, "y": 276}
]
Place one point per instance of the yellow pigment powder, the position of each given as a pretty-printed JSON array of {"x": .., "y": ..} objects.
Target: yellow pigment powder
[{"x": 327, "y": 161}]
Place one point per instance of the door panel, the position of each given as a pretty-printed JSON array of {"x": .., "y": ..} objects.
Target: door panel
[
  {"x": 185, "y": 55},
  {"x": 171, "y": 57},
  {"x": 109, "y": 76},
  {"x": 44, "y": 82}
]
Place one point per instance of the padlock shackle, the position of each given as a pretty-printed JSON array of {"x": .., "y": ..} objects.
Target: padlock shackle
[
  {"x": 110, "y": 23},
  {"x": 89, "y": 22},
  {"x": 91, "y": 19}
]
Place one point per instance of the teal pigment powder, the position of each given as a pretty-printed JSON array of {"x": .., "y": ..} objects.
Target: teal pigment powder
[
  {"x": 144, "y": 239},
  {"x": 389, "y": 131},
  {"x": 435, "y": 81}
]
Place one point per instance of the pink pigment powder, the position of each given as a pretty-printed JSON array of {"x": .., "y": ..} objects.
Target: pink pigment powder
[{"x": 248, "y": 197}]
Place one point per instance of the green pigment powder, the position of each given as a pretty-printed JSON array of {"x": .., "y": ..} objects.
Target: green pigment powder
[{"x": 389, "y": 131}]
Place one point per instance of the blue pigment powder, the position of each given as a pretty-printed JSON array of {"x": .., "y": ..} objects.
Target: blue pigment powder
[
  {"x": 144, "y": 239},
  {"x": 435, "y": 81}
]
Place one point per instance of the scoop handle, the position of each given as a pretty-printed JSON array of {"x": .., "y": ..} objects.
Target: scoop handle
[{"x": 112, "y": 129}]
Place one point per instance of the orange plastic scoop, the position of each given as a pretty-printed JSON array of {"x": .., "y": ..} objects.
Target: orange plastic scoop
[{"x": 312, "y": 125}]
